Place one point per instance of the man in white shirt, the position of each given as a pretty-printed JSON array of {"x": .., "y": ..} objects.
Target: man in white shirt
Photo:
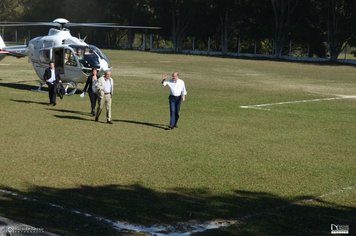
[
  {"x": 177, "y": 95},
  {"x": 105, "y": 90},
  {"x": 52, "y": 78}
]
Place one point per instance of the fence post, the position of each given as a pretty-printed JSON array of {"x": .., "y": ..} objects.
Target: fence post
[
  {"x": 143, "y": 47},
  {"x": 255, "y": 49},
  {"x": 273, "y": 47},
  {"x": 209, "y": 41},
  {"x": 239, "y": 47},
  {"x": 290, "y": 47},
  {"x": 151, "y": 41},
  {"x": 193, "y": 44}
]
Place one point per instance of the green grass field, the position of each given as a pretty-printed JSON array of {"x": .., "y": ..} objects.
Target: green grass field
[{"x": 223, "y": 162}]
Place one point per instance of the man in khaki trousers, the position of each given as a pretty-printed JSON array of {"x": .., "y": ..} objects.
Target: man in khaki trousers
[{"x": 105, "y": 89}]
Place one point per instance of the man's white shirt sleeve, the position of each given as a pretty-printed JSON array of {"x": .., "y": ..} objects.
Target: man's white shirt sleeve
[
  {"x": 184, "y": 91},
  {"x": 176, "y": 88}
]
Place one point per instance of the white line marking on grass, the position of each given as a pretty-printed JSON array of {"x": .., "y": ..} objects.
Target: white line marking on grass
[
  {"x": 298, "y": 202},
  {"x": 261, "y": 106},
  {"x": 177, "y": 229}
]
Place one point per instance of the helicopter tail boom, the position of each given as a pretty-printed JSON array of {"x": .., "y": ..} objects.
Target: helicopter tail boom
[{"x": 16, "y": 51}]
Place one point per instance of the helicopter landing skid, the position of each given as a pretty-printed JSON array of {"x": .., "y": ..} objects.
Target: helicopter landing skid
[
  {"x": 39, "y": 89},
  {"x": 67, "y": 85},
  {"x": 72, "y": 92}
]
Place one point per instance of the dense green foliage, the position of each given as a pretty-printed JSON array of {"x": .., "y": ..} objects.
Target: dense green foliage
[{"x": 319, "y": 27}]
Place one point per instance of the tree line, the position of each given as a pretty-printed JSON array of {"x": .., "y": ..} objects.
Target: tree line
[{"x": 324, "y": 26}]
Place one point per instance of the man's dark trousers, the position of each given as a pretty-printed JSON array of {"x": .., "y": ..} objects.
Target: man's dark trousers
[
  {"x": 174, "y": 108},
  {"x": 52, "y": 92}
]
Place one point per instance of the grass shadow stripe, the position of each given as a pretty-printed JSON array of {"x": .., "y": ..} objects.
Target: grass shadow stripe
[
  {"x": 158, "y": 126},
  {"x": 72, "y": 118},
  {"x": 29, "y": 102}
]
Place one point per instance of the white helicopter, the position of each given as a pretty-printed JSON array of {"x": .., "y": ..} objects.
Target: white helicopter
[{"x": 73, "y": 57}]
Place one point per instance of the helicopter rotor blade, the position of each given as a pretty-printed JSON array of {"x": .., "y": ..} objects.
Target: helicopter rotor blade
[
  {"x": 13, "y": 24},
  {"x": 69, "y": 24},
  {"x": 108, "y": 25}
]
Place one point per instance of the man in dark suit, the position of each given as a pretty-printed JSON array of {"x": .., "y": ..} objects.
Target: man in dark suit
[
  {"x": 52, "y": 78},
  {"x": 90, "y": 86}
]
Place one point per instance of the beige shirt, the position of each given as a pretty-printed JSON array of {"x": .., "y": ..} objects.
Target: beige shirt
[{"x": 101, "y": 86}]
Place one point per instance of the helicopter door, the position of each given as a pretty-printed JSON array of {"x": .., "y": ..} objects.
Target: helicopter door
[{"x": 58, "y": 59}]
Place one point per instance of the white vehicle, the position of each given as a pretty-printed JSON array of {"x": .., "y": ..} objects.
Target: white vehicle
[{"x": 72, "y": 56}]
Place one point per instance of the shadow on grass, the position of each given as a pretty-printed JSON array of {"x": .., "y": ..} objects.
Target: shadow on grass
[
  {"x": 71, "y": 117},
  {"x": 140, "y": 205},
  {"x": 69, "y": 111},
  {"x": 21, "y": 86},
  {"x": 159, "y": 126},
  {"x": 29, "y": 102}
]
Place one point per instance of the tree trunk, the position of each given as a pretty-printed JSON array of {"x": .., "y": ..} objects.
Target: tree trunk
[
  {"x": 174, "y": 26},
  {"x": 180, "y": 24},
  {"x": 283, "y": 12},
  {"x": 130, "y": 38},
  {"x": 335, "y": 46},
  {"x": 224, "y": 21}
]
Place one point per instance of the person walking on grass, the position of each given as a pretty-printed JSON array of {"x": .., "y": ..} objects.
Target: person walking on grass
[
  {"x": 105, "y": 90},
  {"x": 90, "y": 87},
  {"x": 177, "y": 95},
  {"x": 52, "y": 78}
]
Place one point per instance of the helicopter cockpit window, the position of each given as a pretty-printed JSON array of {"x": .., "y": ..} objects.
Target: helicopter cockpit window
[
  {"x": 87, "y": 57},
  {"x": 45, "y": 56},
  {"x": 69, "y": 59},
  {"x": 99, "y": 52}
]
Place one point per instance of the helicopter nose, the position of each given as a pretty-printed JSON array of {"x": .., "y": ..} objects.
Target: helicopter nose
[{"x": 104, "y": 65}]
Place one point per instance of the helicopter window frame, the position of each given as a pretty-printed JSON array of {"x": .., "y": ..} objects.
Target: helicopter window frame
[
  {"x": 97, "y": 51},
  {"x": 82, "y": 51},
  {"x": 69, "y": 58},
  {"x": 85, "y": 55},
  {"x": 45, "y": 55}
]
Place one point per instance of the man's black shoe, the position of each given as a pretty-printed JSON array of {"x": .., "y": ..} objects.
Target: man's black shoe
[
  {"x": 109, "y": 122},
  {"x": 176, "y": 126},
  {"x": 54, "y": 104},
  {"x": 170, "y": 127},
  {"x": 96, "y": 119}
]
